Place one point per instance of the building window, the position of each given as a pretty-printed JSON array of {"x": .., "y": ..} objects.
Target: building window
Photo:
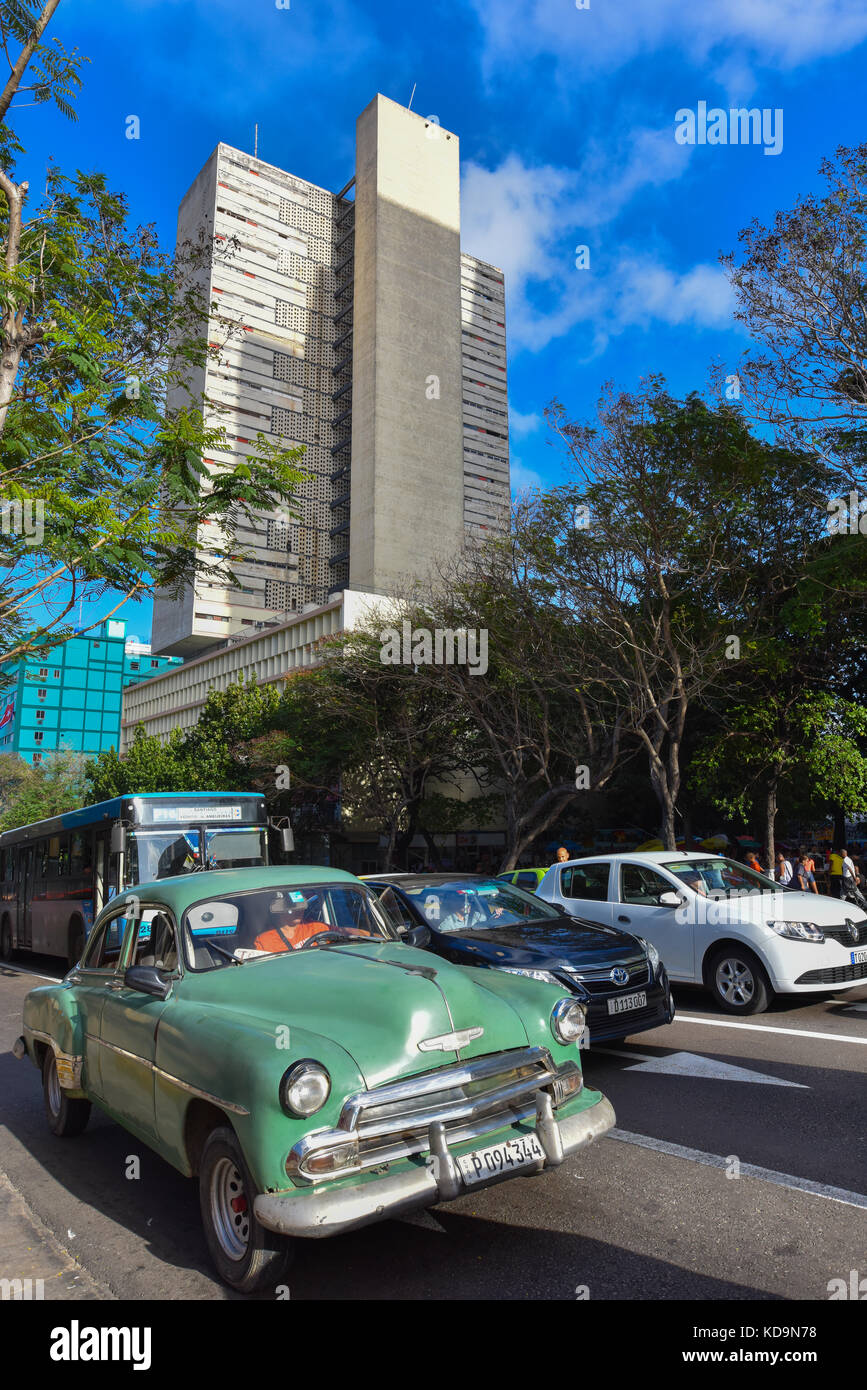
[
  {"x": 154, "y": 664},
  {"x": 37, "y": 757},
  {"x": 133, "y": 665},
  {"x": 43, "y": 670},
  {"x": 42, "y": 692},
  {"x": 39, "y": 736},
  {"x": 40, "y": 714},
  {"x": 57, "y": 673}
]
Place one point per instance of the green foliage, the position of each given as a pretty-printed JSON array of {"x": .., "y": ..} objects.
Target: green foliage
[{"x": 51, "y": 787}]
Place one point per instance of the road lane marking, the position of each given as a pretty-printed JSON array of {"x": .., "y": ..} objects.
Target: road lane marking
[
  {"x": 748, "y": 1170},
  {"x": 692, "y": 1064},
  {"x": 22, "y": 970},
  {"x": 766, "y": 1028}
]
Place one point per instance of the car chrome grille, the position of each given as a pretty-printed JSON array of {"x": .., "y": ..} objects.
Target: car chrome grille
[
  {"x": 844, "y": 935},
  {"x": 470, "y": 1099},
  {"x": 598, "y": 981}
]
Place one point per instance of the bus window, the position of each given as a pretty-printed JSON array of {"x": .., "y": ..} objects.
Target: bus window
[
  {"x": 162, "y": 854},
  {"x": 235, "y": 848}
]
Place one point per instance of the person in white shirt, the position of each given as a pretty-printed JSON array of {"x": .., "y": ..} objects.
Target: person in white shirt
[{"x": 784, "y": 869}]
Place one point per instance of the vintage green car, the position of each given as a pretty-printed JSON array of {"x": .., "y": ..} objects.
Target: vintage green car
[{"x": 266, "y": 1030}]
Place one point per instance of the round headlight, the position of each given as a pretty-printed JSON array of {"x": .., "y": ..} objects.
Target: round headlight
[
  {"x": 567, "y": 1020},
  {"x": 305, "y": 1088}
]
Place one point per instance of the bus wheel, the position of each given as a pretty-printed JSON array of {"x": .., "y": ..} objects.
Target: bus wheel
[
  {"x": 6, "y": 939},
  {"x": 65, "y": 1117},
  {"x": 76, "y": 943}
]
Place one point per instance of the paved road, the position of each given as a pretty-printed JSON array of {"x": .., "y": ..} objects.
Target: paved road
[{"x": 736, "y": 1173}]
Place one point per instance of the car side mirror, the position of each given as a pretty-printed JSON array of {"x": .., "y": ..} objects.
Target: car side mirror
[
  {"x": 147, "y": 979},
  {"x": 118, "y": 839},
  {"x": 671, "y": 899},
  {"x": 416, "y": 936}
]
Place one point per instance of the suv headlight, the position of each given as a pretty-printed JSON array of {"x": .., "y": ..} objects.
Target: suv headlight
[
  {"x": 652, "y": 953},
  {"x": 798, "y": 931},
  {"x": 567, "y": 1020},
  {"x": 305, "y": 1088},
  {"x": 542, "y": 975}
]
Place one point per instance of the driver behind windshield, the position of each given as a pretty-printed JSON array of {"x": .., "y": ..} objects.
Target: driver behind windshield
[{"x": 287, "y": 928}]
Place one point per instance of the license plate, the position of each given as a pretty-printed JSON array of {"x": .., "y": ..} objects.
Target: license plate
[
  {"x": 858, "y": 957},
  {"x": 623, "y": 1004},
  {"x": 500, "y": 1158}
]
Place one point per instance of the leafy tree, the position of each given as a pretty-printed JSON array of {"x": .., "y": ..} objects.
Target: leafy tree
[
  {"x": 49, "y": 788},
  {"x": 812, "y": 746},
  {"x": 678, "y": 535},
  {"x": 801, "y": 286},
  {"x": 107, "y": 477}
]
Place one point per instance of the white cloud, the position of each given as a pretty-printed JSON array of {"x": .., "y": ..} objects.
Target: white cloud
[
  {"x": 647, "y": 290},
  {"x": 522, "y": 425},
  {"x": 773, "y": 33},
  {"x": 530, "y": 221}
]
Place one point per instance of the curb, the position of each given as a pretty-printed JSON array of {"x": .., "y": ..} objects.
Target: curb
[{"x": 33, "y": 1263}]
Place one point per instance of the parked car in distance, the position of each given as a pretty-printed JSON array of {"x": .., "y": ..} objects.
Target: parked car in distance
[
  {"x": 265, "y": 1030},
  {"x": 524, "y": 878},
  {"x": 719, "y": 924},
  {"x": 473, "y": 920}
]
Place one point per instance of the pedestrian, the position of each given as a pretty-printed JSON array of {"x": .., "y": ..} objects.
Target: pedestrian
[
  {"x": 753, "y": 862},
  {"x": 562, "y": 855},
  {"x": 835, "y": 866},
  {"x": 805, "y": 878},
  {"x": 784, "y": 872},
  {"x": 851, "y": 891}
]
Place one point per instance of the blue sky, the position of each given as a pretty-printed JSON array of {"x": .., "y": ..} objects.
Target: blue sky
[{"x": 566, "y": 118}]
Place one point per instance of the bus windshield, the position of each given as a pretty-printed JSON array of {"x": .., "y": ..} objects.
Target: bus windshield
[{"x": 167, "y": 853}]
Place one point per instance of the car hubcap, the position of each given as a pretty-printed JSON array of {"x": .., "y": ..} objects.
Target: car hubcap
[
  {"x": 230, "y": 1212},
  {"x": 53, "y": 1088},
  {"x": 735, "y": 981}
]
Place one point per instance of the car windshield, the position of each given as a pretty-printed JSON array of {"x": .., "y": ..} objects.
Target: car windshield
[
  {"x": 719, "y": 877},
  {"x": 477, "y": 905},
  {"x": 238, "y": 927}
]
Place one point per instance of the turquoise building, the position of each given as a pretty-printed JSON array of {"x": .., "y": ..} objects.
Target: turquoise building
[{"x": 70, "y": 697}]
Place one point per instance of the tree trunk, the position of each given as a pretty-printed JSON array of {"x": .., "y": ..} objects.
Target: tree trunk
[
  {"x": 770, "y": 818},
  {"x": 839, "y": 827}
]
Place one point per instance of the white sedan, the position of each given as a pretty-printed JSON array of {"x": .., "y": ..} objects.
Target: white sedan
[{"x": 717, "y": 923}]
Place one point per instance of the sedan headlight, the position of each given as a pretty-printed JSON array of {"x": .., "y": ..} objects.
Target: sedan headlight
[
  {"x": 567, "y": 1020},
  {"x": 652, "y": 953},
  {"x": 798, "y": 931},
  {"x": 542, "y": 975},
  {"x": 305, "y": 1088}
]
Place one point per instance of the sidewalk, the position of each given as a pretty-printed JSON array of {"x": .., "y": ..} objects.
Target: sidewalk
[{"x": 33, "y": 1264}]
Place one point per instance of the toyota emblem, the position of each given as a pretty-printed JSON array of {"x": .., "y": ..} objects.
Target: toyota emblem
[{"x": 619, "y": 976}]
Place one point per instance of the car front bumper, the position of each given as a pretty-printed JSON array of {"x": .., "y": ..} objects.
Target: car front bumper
[
  {"x": 326, "y": 1211},
  {"x": 659, "y": 1009}
]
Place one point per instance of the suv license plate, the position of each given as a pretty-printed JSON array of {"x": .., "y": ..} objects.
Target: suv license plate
[
  {"x": 627, "y": 1002},
  {"x": 500, "y": 1158}
]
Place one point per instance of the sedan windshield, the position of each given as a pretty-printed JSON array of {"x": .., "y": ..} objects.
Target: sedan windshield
[
  {"x": 719, "y": 877},
  {"x": 266, "y": 922},
  {"x": 475, "y": 904}
]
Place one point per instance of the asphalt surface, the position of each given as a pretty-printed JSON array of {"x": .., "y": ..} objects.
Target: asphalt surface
[{"x": 738, "y": 1170}]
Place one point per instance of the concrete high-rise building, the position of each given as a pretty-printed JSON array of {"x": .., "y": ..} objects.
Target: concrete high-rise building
[{"x": 364, "y": 333}]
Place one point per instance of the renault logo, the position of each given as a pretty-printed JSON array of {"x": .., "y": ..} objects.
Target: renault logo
[
  {"x": 619, "y": 976},
  {"x": 854, "y": 931}
]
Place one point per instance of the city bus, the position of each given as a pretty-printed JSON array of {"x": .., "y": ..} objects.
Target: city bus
[{"x": 57, "y": 874}]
